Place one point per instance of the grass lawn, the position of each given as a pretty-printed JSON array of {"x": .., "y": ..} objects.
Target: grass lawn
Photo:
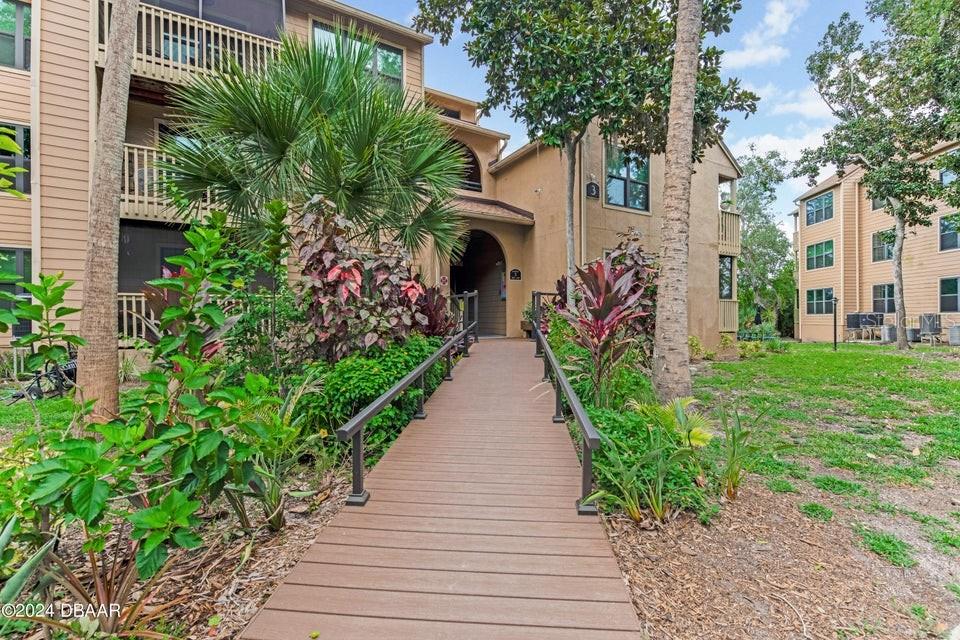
[
  {"x": 865, "y": 439},
  {"x": 15, "y": 417}
]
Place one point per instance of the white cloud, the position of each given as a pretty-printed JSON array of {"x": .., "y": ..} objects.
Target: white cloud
[
  {"x": 805, "y": 102},
  {"x": 763, "y": 44},
  {"x": 789, "y": 147}
]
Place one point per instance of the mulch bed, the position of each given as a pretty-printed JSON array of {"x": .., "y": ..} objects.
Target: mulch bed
[{"x": 762, "y": 570}]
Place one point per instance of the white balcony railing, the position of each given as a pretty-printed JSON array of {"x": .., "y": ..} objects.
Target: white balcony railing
[
  {"x": 172, "y": 46},
  {"x": 140, "y": 192},
  {"x": 729, "y": 232},
  {"x": 133, "y": 312}
]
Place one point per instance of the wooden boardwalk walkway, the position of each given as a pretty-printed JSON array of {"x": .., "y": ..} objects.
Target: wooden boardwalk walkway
[{"x": 471, "y": 531}]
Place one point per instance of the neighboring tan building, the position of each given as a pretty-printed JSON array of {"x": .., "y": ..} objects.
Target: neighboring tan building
[
  {"x": 844, "y": 248},
  {"x": 51, "y": 58}
]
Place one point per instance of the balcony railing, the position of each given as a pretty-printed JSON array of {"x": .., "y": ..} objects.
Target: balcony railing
[
  {"x": 134, "y": 317},
  {"x": 729, "y": 232},
  {"x": 140, "y": 193},
  {"x": 171, "y": 46},
  {"x": 729, "y": 316}
]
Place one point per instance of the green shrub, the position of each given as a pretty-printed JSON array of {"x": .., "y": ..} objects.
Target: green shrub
[
  {"x": 357, "y": 380},
  {"x": 747, "y": 350},
  {"x": 776, "y": 345},
  {"x": 816, "y": 511},
  {"x": 696, "y": 348}
]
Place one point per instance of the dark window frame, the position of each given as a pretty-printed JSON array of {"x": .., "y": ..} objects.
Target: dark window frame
[
  {"x": 820, "y": 301},
  {"x": 21, "y": 181},
  {"x": 880, "y": 248},
  {"x": 631, "y": 165},
  {"x": 726, "y": 272},
  {"x": 21, "y": 258},
  {"x": 472, "y": 173},
  {"x": 379, "y": 47},
  {"x": 22, "y": 27},
  {"x": 945, "y": 241},
  {"x": 883, "y": 300},
  {"x": 818, "y": 210},
  {"x": 952, "y": 299},
  {"x": 820, "y": 253}
]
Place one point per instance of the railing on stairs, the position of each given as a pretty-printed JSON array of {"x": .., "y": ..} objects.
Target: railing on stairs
[{"x": 553, "y": 371}]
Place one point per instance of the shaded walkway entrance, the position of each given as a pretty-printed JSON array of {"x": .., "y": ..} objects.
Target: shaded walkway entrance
[
  {"x": 483, "y": 269},
  {"x": 471, "y": 531}
]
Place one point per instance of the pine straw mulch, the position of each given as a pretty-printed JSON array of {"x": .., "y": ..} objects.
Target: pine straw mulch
[
  {"x": 764, "y": 571},
  {"x": 230, "y": 578}
]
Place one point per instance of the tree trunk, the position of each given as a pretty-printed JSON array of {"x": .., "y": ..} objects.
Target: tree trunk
[
  {"x": 98, "y": 363},
  {"x": 671, "y": 352},
  {"x": 900, "y": 307},
  {"x": 570, "y": 147}
]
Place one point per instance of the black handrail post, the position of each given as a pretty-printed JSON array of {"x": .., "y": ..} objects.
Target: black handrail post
[
  {"x": 546, "y": 361},
  {"x": 557, "y": 404},
  {"x": 476, "y": 315},
  {"x": 448, "y": 373},
  {"x": 586, "y": 482},
  {"x": 358, "y": 496},
  {"x": 421, "y": 414},
  {"x": 537, "y": 310}
]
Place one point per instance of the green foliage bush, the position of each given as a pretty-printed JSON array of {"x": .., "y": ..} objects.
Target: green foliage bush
[{"x": 357, "y": 380}]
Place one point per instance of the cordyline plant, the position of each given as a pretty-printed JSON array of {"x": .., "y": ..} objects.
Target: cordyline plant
[
  {"x": 354, "y": 298},
  {"x": 603, "y": 308},
  {"x": 434, "y": 306}
]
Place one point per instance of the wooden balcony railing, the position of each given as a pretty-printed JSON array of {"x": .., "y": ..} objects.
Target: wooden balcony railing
[
  {"x": 729, "y": 316},
  {"x": 729, "y": 232},
  {"x": 171, "y": 46},
  {"x": 134, "y": 317},
  {"x": 140, "y": 192}
]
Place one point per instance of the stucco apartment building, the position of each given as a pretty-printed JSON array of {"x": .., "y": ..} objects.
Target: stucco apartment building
[
  {"x": 844, "y": 248},
  {"x": 51, "y": 58}
]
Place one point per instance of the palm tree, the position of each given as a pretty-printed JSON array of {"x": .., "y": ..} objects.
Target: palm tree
[
  {"x": 671, "y": 366},
  {"x": 316, "y": 123},
  {"x": 98, "y": 365}
]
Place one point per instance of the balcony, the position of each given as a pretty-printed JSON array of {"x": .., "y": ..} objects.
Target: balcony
[
  {"x": 729, "y": 316},
  {"x": 729, "y": 223},
  {"x": 171, "y": 46},
  {"x": 140, "y": 194}
]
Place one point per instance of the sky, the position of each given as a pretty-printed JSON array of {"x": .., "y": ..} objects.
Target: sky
[{"x": 766, "y": 48}]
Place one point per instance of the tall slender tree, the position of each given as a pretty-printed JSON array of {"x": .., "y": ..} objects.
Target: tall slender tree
[
  {"x": 889, "y": 125},
  {"x": 671, "y": 353},
  {"x": 560, "y": 66},
  {"x": 98, "y": 363}
]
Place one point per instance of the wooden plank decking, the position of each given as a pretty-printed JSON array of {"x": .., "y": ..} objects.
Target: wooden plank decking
[{"x": 471, "y": 531}]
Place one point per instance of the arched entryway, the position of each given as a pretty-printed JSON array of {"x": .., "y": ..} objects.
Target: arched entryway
[{"x": 483, "y": 268}]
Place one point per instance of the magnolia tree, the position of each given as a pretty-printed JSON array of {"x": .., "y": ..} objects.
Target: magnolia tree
[
  {"x": 560, "y": 66},
  {"x": 890, "y": 122}
]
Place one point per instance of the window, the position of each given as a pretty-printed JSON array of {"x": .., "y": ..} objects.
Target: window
[
  {"x": 450, "y": 113},
  {"x": 820, "y": 208},
  {"x": 628, "y": 179},
  {"x": 725, "y": 194},
  {"x": 949, "y": 295},
  {"x": 947, "y": 176},
  {"x": 819, "y": 301},
  {"x": 883, "y": 299},
  {"x": 387, "y": 62},
  {"x": 14, "y": 34},
  {"x": 16, "y": 261},
  {"x": 883, "y": 245},
  {"x": 950, "y": 232},
  {"x": 877, "y": 203},
  {"x": 21, "y": 136},
  {"x": 820, "y": 255},
  {"x": 726, "y": 277}
]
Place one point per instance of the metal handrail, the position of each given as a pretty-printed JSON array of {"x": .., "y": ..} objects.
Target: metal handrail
[
  {"x": 463, "y": 308},
  {"x": 353, "y": 429},
  {"x": 562, "y": 388}
]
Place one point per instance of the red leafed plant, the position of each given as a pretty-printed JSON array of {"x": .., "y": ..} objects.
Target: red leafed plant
[
  {"x": 354, "y": 297},
  {"x": 605, "y": 303},
  {"x": 433, "y": 306}
]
